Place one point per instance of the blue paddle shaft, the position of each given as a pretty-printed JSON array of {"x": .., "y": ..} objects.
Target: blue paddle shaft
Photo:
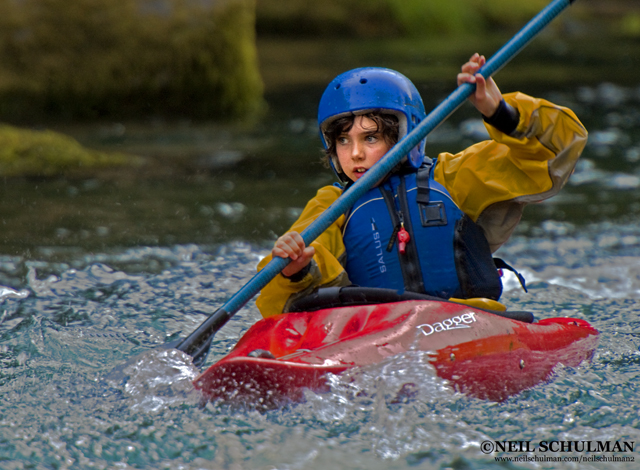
[{"x": 374, "y": 174}]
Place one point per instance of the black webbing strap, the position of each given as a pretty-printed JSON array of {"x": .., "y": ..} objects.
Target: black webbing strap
[
  {"x": 501, "y": 264},
  {"x": 422, "y": 182}
]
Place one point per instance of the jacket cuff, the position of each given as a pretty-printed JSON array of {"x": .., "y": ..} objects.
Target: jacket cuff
[
  {"x": 505, "y": 119},
  {"x": 299, "y": 276}
]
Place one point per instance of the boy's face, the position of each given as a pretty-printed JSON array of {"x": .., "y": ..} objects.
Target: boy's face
[{"x": 359, "y": 148}]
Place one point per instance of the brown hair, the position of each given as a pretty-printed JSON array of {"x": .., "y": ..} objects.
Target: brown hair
[{"x": 387, "y": 124}]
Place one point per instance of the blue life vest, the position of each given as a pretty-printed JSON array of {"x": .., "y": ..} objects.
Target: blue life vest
[{"x": 446, "y": 256}]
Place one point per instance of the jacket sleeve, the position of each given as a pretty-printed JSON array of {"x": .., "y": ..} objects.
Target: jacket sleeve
[
  {"x": 492, "y": 181},
  {"x": 326, "y": 267}
]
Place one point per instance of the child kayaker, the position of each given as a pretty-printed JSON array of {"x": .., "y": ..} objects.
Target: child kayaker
[{"x": 430, "y": 226}]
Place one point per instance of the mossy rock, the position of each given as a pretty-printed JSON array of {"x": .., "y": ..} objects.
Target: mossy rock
[
  {"x": 25, "y": 152},
  {"x": 128, "y": 58}
]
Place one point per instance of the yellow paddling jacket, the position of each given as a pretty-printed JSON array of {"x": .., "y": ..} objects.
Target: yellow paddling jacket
[{"x": 490, "y": 181}]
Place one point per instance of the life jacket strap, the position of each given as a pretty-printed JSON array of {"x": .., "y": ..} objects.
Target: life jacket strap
[
  {"x": 422, "y": 182},
  {"x": 432, "y": 214},
  {"x": 501, "y": 264}
]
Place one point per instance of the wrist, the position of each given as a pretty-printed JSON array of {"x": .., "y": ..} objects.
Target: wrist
[
  {"x": 299, "y": 276},
  {"x": 505, "y": 118}
]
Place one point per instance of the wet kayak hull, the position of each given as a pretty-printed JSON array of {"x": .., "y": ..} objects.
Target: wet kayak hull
[{"x": 479, "y": 352}]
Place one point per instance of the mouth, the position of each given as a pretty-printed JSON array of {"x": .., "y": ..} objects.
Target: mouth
[{"x": 359, "y": 171}]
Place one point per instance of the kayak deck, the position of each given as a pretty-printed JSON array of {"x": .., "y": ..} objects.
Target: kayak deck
[{"x": 478, "y": 352}]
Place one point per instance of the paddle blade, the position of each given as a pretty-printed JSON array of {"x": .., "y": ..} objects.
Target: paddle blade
[{"x": 198, "y": 343}]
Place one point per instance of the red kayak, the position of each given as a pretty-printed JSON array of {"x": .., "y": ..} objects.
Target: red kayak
[{"x": 481, "y": 353}]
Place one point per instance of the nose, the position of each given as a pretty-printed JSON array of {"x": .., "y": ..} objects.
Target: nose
[{"x": 357, "y": 150}]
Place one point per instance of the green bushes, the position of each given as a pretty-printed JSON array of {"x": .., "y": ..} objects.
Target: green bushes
[
  {"x": 395, "y": 17},
  {"x": 121, "y": 58},
  {"x": 419, "y": 17}
]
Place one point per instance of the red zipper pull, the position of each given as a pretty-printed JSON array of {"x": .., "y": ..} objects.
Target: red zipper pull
[{"x": 403, "y": 239}]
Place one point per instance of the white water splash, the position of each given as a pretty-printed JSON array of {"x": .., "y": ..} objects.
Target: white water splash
[{"x": 157, "y": 379}]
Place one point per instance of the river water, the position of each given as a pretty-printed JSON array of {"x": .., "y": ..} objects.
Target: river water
[{"x": 95, "y": 273}]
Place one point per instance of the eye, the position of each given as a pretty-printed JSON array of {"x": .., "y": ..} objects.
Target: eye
[
  {"x": 372, "y": 138},
  {"x": 342, "y": 140}
]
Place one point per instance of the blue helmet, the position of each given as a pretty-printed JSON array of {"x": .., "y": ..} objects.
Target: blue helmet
[{"x": 373, "y": 89}]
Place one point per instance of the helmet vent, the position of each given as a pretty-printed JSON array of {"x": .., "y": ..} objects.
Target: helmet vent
[
  {"x": 363, "y": 80},
  {"x": 337, "y": 86}
]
